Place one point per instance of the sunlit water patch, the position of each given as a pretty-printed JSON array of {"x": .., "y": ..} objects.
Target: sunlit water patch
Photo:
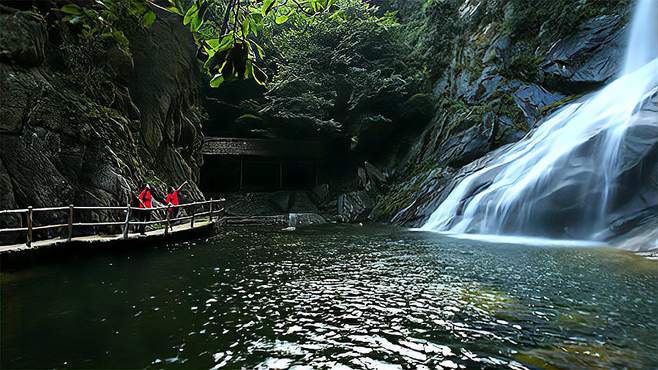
[{"x": 335, "y": 297}]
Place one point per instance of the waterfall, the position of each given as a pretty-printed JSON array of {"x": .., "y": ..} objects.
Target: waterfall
[
  {"x": 643, "y": 40},
  {"x": 571, "y": 176}
]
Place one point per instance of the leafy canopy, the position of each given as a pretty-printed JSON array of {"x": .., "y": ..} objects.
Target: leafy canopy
[
  {"x": 347, "y": 71},
  {"x": 101, "y": 19},
  {"x": 228, "y": 33}
]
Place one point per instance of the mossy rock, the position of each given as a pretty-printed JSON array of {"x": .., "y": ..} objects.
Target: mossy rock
[{"x": 419, "y": 108}]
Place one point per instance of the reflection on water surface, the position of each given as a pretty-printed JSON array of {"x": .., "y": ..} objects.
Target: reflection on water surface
[{"x": 335, "y": 297}]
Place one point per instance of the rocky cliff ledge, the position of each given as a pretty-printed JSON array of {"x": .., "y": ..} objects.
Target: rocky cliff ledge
[{"x": 84, "y": 122}]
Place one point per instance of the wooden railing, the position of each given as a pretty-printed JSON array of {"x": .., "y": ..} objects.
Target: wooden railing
[{"x": 194, "y": 211}]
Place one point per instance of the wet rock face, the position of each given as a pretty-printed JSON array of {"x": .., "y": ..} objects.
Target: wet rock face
[
  {"x": 421, "y": 195},
  {"x": 23, "y": 38},
  {"x": 495, "y": 88},
  {"x": 355, "y": 206},
  {"x": 560, "y": 211},
  {"x": 588, "y": 59},
  {"x": 67, "y": 138}
]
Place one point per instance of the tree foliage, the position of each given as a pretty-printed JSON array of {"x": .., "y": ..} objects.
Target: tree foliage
[
  {"x": 103, "y": 17},
  {"x": 228, "y": 32},
  {"x": 348, "y": 69}
]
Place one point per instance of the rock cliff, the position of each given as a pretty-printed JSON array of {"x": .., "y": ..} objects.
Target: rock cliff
[
  {"x": 85, "y": 122},
  {"x": 497, "y": 74}
]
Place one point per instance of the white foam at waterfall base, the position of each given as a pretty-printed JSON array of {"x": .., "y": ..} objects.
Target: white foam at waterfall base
[
  {"x": 522, "y": 175},
  {"x": 524, "y": 240}
]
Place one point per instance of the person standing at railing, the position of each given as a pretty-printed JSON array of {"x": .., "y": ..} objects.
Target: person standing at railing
[
  {"x": 145, "y": 199},
  {"x": 174, "y": 199}
]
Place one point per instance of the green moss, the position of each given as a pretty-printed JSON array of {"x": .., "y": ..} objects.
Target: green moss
[
  {"x": 101, "y": 112},
  {"x": 547, "y": 109},
  {"x": 524, "y": 66},
  {"x": 508, "y": 107},
  {"x": 543, "y": 21},
  {"x": 590, "y": 356}
]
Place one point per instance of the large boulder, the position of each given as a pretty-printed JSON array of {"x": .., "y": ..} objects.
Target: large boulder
[
  {"x": 466, "y": 146},
  {"x": 533, "y": 100},
  {"x": 355, "y": 206},
  {"x": 415, "y": 200}
]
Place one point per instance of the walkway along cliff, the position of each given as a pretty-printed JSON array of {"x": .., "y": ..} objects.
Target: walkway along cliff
[{"x": 196, "y": 219}]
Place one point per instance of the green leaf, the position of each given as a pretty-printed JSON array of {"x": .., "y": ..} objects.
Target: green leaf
[
  {"x": 256, "y": 17},
  {"x": 196, "y": 24},
  {"x": 190, "y": 14},
  {"x": 245, "y": 27},
  {"x": 213, "y": 43},
  {"x": 174, "y": 10},
  {"x": 259, "y": 76},
  {"x": 149, "y": 19},
  {"x": 249, "y": 70},
  {"x": 227, "y": 43},
  {"x": 281, "y": 19},
  {"x": 217, "y": 80},
  {"x": 267, "y": 6},
  {"x": 71, "y": 9},
  {"x": 259, "y": 49},
  {"x": 212, "y": 58},
  {"x": 91, "y": 13},
  {"x": 73, "y": 19},
  {"x": 137, "y": 8},
  {"x": 176, "y": 7}
]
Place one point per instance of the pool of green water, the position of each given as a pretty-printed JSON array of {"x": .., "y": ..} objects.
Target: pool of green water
[{"x": 334, "y": 297}]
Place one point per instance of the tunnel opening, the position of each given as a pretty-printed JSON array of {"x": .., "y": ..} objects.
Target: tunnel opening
[
  {"x": 263, "y": 165},
  {"x": 220, "y": 175},
  {"x": 226, "y": 175}
]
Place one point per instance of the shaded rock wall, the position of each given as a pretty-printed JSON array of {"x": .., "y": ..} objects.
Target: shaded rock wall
[{"x": 83, "y": 123}]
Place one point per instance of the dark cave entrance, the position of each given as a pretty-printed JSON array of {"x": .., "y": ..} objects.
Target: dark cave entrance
[{"x": 224, "y": 175}]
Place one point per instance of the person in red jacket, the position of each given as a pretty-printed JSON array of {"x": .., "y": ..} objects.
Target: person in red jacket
[
  {"x": 145, "y": 199},
  {"x": 173, "y": 199}
]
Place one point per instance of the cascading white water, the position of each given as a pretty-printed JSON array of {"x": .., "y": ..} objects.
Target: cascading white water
[
  {"x": 643, "y": 41},
  {"x": 567, "y": 177}
]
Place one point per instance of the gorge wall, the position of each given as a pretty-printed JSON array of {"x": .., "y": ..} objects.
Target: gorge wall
[
  {"x": 498, "y": 70},
  {"x": 85, "y": 122}
]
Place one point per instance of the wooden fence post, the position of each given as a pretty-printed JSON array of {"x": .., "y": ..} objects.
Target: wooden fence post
[
  {"x": 167, "y": 225},
  {"x": 70, "y": 223},
  {"x": 221, "y": 210},
  {"x": 211, "y": 201},
  {"x": 29, "y": 226},
  {"x": 192, "y": 219},
  {"x": 126, "y": 225}
]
